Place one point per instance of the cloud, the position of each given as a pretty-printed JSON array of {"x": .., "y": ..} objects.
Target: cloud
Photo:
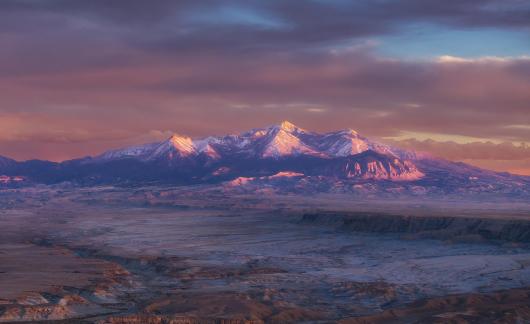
[
  {"x": 378, "y": 96},
  {"x": 70, "y": 71},
  {"x": 505, "y": 156},
  {"x": 316, "y": 110},
  {"x": 58, "y": 138},
  {"x": 486, "y": 59},
  {"x": 169, "y": 27},
  {"x": 468, "y": 151}
]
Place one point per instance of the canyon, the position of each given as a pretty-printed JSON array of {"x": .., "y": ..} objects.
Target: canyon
[{"x": 196, "y": 255}]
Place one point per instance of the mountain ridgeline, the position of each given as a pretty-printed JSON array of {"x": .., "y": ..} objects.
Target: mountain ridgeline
[{"x": 279, "y": 155}]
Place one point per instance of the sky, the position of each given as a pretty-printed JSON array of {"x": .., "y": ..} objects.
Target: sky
[{"x": 448, "y": 77}]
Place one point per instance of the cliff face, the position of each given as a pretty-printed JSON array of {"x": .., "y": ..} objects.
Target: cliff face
[{"x": 426, "y": 227}]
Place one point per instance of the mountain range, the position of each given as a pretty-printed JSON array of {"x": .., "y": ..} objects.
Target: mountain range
[{"x": 281, "y": 157}]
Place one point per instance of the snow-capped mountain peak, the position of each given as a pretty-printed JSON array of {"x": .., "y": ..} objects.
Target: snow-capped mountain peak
[
  {"x": 349, "y": 132},
  {"x": 175, "y": 146},
  {"x": 282, "y": 142},
  {"x": 277, "y": 141},
  {"x": 348, "y": 142},
  {"x": 288, "y": 127},
  {"x": 182, "y": 144},
  {"x": 204, "y": 146}
]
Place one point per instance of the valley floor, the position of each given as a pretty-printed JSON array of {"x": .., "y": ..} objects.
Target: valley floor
[{"x": 109, "y": 255}]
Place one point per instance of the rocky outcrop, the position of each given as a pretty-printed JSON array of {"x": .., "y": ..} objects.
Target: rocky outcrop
[
  {"x": 509, "y": 306},
  {"x": 374, "y": 165},
  {"x": 218, "y": 308}
]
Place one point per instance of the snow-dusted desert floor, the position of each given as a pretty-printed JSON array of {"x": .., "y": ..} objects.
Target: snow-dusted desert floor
[{"x": 83, "y": 255}]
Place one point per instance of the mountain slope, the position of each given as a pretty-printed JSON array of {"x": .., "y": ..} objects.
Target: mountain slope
[
  {"x": 348, "y": 142},
  {"x": 6, "y": 162},
  {"x": 283, "y": 140}
]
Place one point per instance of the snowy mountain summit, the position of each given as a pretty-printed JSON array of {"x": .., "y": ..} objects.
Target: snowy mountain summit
[
  {"x": 283, "y": 142},
  {"x": 277, "y": 141}
]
